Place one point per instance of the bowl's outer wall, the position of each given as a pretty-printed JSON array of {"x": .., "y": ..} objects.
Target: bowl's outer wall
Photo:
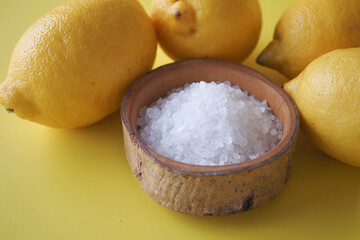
[{"x": 208, "y": 195}]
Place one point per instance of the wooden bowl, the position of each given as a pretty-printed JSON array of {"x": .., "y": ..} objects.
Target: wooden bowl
[{"x": 209, "y": 190}]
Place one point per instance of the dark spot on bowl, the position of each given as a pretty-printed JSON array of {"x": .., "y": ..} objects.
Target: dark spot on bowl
[
  {"x": 248, "y": 203},
  {"x": 208, "y": 214},
  {"x": 138, "y": 171},
  {"x": 234, "y": 212}
]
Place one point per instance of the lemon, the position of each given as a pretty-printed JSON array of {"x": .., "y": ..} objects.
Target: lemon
[
  {"x": 207, "y": 28},
  {"x": 72, "y": 67},
  {"x": 309, "y": 29},
  {"x": 327, "y": 94}
]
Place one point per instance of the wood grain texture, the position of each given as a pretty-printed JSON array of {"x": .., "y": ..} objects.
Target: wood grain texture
[{"x": 209, "y": 190}]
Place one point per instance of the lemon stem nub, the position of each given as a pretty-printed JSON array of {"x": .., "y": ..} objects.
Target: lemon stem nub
[{"x": 10, "y": 110}]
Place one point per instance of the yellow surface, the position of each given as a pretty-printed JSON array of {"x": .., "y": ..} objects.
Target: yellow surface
[{"x": 76, "y": 184}]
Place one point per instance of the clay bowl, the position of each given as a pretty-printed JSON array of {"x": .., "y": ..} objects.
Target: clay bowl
[{"x": 209, "y": 190}]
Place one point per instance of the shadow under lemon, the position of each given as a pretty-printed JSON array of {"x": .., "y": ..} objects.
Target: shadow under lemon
[
  {"x": 89, "y": 155},
  {"x": 87, "y": 170}
]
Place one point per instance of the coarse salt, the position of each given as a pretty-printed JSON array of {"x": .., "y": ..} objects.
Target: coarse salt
[{"x": 209, "y": 124}]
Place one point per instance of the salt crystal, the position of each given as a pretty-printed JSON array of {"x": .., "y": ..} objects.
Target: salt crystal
[
  {"x": 273, "y": 132},
  {"x": 209, "y": 124}
]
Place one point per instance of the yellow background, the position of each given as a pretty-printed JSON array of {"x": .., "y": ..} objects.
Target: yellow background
[{"x": 76, "y": 184}]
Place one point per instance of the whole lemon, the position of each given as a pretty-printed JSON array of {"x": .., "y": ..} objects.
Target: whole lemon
[
  {"x": 72, "y": 67},
  {"x": 207, "y": 28},
  {"x": 327, "y": 94},
  {"x": 309, "y": 29}
]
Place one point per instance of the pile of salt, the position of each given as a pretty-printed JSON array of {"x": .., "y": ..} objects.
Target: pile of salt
[{"x": 209, "y": 124}]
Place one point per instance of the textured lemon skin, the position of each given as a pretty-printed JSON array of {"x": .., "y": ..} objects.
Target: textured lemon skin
[
  {"x": 307, "y": 30},
  {"x": 327, "y": 94},
  {"x": 207, "y": 28},
  {"x": 72, "y": 67}
]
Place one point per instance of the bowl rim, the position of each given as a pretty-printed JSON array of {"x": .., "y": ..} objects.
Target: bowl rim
[{"x": 211, "y": 170}]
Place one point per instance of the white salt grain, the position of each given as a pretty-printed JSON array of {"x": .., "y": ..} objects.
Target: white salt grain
[{"x": 209, "y": 124}]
